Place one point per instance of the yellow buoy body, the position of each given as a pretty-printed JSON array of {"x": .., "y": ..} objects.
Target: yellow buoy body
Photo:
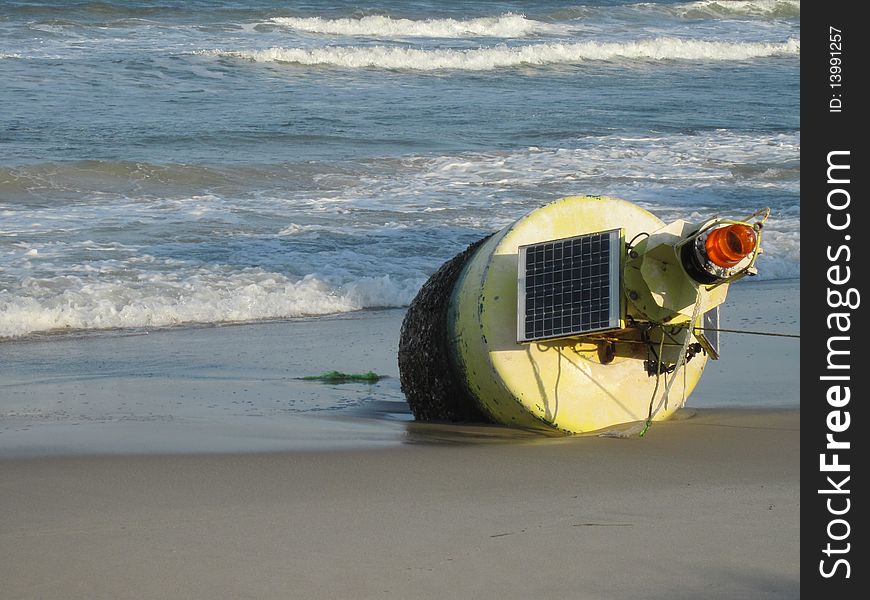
[{"x": 567, "y": 384}]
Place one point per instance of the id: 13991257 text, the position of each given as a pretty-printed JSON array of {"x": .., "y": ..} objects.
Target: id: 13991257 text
[{"x": 835, "y": 69}]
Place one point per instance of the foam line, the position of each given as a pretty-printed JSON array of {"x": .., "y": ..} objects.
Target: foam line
[
  {"x": 508, "y": 25},
  {"x": 489, "y": 58}
]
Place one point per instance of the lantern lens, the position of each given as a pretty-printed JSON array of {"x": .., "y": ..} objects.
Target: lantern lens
[{"x": 727, "y": 246}]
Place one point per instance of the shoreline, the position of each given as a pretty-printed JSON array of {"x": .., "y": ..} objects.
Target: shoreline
[
  {"x": 64, "y": 334},
  {"x": 237, "y": 388}
]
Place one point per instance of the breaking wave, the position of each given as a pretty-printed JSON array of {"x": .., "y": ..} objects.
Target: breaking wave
[
  {"x": 700, "y": 9},
  {"x": 735, "y": 8},
  {"x": 161, "y": 300},
  {"x": 504, "y": 26},
  {"x": 484, "y": 59}
]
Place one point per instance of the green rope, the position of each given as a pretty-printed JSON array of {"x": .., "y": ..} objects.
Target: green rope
[
  {"x": 680, "y": 362},
  {"x": 645, "y": 428},
  {"x": 656, "y": 388}
]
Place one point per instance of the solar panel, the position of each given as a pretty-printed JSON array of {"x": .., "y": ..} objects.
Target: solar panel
[
  {"x": 569, "y": 287},
  {"x": 709, "y": 334}
]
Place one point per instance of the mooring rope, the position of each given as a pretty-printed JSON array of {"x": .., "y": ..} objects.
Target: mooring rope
[
  {"x": 770, "y": 333},
  {"x": 658, "y": 378},
  {"x": 680, "y": 361}
]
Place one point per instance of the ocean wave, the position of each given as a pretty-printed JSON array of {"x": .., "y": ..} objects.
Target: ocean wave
[
  {"x": 160, "y": 300},
  {"x": 508, "y": 25},
  {"x": 123, "y": 293},
  {"x": 97, "y": 174},
  {"x": 647, "y": 162},
  {"x": 484, "y": 59},
  {"x": 706, "y": 157},
  {"x": 699, "y": 9},
  {"x": 739, "y": 8},
  {"x": 140, "y": 178},
  {"x": 95, "y": 9}
]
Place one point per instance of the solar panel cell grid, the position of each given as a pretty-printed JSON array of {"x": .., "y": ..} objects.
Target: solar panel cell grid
[{"x": 569, "y": 286}]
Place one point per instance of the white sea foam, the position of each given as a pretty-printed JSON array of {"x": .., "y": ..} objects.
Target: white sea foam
[
  {"x": 649, "y": 163},
  {"x": 508, "y": 25},
  {"x": 484, "y": 59},
  {"x": 781, "y": 242},
  {"x": 160, "y": 300}
]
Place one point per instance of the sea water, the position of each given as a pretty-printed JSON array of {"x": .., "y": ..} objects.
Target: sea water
[{"x": 177, "y": 162}]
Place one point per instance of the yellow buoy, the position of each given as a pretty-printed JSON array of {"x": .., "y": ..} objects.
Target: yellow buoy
[{"x": 584, "y": 314}]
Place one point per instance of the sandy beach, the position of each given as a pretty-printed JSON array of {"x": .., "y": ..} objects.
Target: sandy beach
[
  {"x": 191, "y": 463},
  {"x": 702, "y": 508}
]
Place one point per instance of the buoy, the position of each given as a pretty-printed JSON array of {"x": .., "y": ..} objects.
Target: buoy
[{"x": 584, "y": 314}]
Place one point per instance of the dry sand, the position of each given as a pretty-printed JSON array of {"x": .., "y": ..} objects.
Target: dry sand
[{"x": 127, "y": 492}]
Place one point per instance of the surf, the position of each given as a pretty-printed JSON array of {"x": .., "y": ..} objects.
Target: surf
[
  {"x": 503, "y": 56},
  {"x": 508, "y": 25}
]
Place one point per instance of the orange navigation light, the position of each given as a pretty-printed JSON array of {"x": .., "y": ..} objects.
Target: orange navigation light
[{"x": 727, "y": 246}]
